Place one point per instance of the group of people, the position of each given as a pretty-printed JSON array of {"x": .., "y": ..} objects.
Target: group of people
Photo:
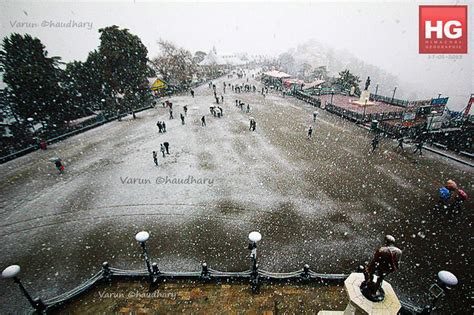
[
  {"x": 161, "y": 126},
  {"x": 164, "y": 149},
  {"x": 244, "y": 88},
  {"x": 216, "y": 112},
  {"x": 400, "y": 142},
  {"x": 241, "y": 105},
  {"x": 451, "y": 197}
]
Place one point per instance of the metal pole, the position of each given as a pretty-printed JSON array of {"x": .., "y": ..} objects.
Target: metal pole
[
  {"x": 365, "y": 106},
  {"x": 254, "y": 275},
  {"x": 25, "y": 293},
  {"x": 393, "y": 96},
  {"x": 147, "y": 260}
]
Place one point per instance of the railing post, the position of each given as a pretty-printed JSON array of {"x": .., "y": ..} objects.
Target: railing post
[
  {"x": 154, "y": 276},
  {"x": 305, "y": 275},
  {"x": 254, "y": 281},
  {"x": 205, "y": 272},
  {"x": 106, "y": 270}
]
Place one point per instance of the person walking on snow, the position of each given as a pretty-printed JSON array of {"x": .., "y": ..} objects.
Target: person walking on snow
[
  {"x": 59, "y": 165},
  {"x": 167, "y": 147},
  {"x": 248, "y": 108},
  {"x": 419, "y": 147},
  {"x": 182, "y": 118},
  {"x": 203, "y": 121},
  {"x": 310, "y": 132},
  {"x": 400, "y": 143},
  {"x": 162, "y": 149},
  {"x": 315, "y": 115},
  {"x": 155, "y": 158},
  {"x": 163, "y": 126},
  {"x": 159, "y": 126},
  {"x": 185, "y": 107},
  {"x": 171, "y": 114},
  {"x": 375, "y": 142},
  {"x": 192, "y": 93}
]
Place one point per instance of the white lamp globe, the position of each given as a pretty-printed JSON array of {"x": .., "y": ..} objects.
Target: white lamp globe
[
  {"x": 142, "y": 236},
  {"x": 447, "y": 278},
  {"x": 255, "y": 237},
  {"x": 11, "y": 271}
]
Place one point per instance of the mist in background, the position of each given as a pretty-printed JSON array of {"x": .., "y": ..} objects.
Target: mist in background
[{"x": 383, "y": 35}]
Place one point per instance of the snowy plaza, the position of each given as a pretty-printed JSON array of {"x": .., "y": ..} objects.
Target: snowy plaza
[
  {"x": 236, "y": 157},
  {"x": 325, "y": 201}
]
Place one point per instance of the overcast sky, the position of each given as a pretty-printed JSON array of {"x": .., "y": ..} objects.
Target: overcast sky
[{"x": 381, "y": 33}]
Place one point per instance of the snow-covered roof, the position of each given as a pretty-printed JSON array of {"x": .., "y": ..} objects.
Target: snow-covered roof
[
  {"x": 277, "y": 74},
  {"x": 210, "y": 59},
  {"x": 313, "y": 84},
  {"x": 230, "y": 59}
]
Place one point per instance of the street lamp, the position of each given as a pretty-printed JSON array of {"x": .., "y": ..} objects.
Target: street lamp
[
  {"x": 332, "y": 95},
  {"x": 254, "y": 237},
  {"x": 141, "y": 238},
  {"x": 447, "y": 281},
  {"x": 433, "y": 113},
  {"x": 12, "y": 272},
  {"x": 365, "y": 106},
  {"x": 394, "y": 90}
]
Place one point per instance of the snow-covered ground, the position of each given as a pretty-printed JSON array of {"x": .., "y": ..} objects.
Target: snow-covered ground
[{"x": 327, "y": 201}]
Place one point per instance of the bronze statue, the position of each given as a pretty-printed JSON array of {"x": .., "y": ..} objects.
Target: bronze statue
[
  {"x": 384, "y": 262},
  {"x": 367, "y": 83}
]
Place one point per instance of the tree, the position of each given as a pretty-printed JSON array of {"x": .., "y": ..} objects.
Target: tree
[
  {"x": 32, "y": 79},
  {"x": 304, "y": 70},
  {"x": 175, "y": 64},
  {"x": 199, "y": 56},
  {"x": 347, "y": 80},
  {"x": 287, "y": 62},
  {"x": 123, "y": 64},
  {"x": 84, "y": 82},
  {"x": 320, "y": 73}
]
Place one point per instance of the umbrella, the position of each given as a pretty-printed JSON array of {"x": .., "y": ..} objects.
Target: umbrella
[
  {"x": 451, "y": 185},
  {"x": 444, "y": 193},
  {"x": 54, "y": 159},
  {"x": 462, "y": 194}
]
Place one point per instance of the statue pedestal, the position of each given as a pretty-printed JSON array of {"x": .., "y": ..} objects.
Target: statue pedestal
[
  {"x": 359, "y": 305},
  {"x": 365, "y": 94}
]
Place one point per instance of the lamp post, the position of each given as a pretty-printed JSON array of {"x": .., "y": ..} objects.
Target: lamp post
[
  {"x": 433, "y": 113},
  {"x": 254, "y": 237},
  {"x": 394, "y": 90},
  {"x": 30, "y": 124},
  {"x": 141, "y": 238},
  {"x": 12, "y": 272},
  {"x": 447, "y": 281},
  {"x": 332, "y": 95},
  {"x": 365, "y": 106}
]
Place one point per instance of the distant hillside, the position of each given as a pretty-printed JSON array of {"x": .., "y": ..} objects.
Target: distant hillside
[{"x": 315, "y": 54}]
